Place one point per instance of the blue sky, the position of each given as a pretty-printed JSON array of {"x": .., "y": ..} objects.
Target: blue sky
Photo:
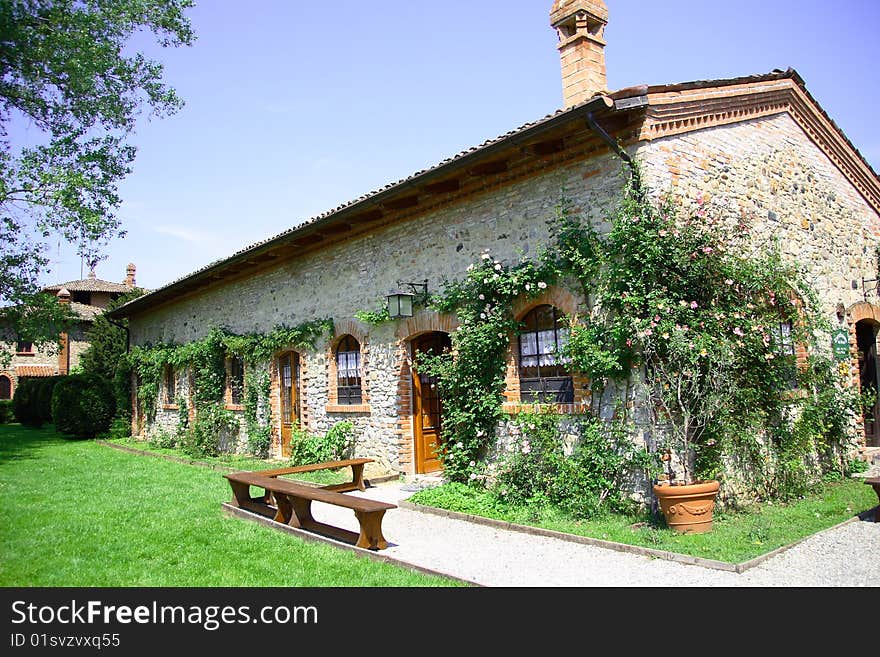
[{"x": 294, "y": 107}]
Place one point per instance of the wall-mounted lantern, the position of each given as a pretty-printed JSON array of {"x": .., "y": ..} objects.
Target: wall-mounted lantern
[{"x": 400, "y": 303}]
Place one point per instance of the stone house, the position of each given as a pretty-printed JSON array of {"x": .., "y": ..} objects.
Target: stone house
[
  {"x": 88, "y": 298},
  {"x": 759, "y": 146}
]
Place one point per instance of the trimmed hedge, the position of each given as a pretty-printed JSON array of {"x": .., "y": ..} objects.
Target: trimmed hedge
[
  {"x": 32, "y": 401},
  {"x": 83, "y": 406},
  {"x": 6, "y": 414}
]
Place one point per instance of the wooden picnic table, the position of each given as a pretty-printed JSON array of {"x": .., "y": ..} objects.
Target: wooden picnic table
[{"x": 293, "y": 500}]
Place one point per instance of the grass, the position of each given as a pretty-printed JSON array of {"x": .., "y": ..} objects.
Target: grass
[
  {"x": 735, "y": 537},
  {"x": 233, "y": 461},
  {"x": 78, "y": 513}
]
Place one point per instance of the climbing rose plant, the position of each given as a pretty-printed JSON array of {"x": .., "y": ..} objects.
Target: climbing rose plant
[{"x": 711, "y": 322}]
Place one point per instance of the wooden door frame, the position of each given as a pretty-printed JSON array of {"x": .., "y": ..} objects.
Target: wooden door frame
[{"x": 419, "y": 455}]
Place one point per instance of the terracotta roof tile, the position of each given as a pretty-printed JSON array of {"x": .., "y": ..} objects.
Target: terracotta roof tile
[
  {"x": 89, "y": 285},
  {"x": 84, "y": 311},
  {"x": 35, "y": 370}
]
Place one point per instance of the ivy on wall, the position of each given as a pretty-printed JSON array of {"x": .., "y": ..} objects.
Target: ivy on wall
[{"x": 205, "y": 360}]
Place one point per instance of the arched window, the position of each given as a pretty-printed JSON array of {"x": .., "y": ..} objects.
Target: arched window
[
  {"x": 544, "y": 375},
  {"x": 5, "y": 387},
  {"x": 348, "y": 371}
]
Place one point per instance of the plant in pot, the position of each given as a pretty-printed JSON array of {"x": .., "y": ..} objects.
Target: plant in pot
[{"x": 687, "y": 390}]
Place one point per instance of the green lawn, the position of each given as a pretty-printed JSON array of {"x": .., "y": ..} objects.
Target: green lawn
[
  {"x": 233, "y": 461},
  {"x": 735, "y": 537},
  {"x": 77, "y": 513}
]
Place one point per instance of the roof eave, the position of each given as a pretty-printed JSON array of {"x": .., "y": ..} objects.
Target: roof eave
[{"x": 598, "y": 103}]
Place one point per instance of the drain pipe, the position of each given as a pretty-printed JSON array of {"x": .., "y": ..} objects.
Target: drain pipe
[{"x": 618, "y": 150}]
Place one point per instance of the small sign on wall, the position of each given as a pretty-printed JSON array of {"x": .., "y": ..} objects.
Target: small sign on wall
[{"x": 840, "y": 344}]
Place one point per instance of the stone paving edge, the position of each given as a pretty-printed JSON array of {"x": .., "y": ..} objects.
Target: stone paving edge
[
  {"x": 231, "y": 510},
  {"x": 622, "y": 547}
]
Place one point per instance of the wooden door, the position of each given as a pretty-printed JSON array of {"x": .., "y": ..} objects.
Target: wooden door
[
  {"x": 427, "y": 405},
  {"x": 288, "y": 383}
]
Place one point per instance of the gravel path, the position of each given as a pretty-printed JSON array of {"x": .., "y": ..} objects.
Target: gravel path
[{"x": 847, "y": 556}]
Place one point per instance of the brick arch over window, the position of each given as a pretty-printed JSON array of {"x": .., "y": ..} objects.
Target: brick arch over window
[
  {"x": 349, "y": 331},
  {"x": 863, "y": 310},
  {"x": 568, "y": 304},
  {"x": 552, "y": 296},
  {"x": 5, "y": 387},
  {"x": 856, "y": 313}
]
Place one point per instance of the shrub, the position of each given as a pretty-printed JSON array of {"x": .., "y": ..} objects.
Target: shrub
[
  {"x": 32, "y": 401},
  {"x": 119, "y": 429},
  {"x": 259, "y": 440},
  {"x": 83, "y": 405},
  {"x": 23, "y": 404},
  {"x": 122, "y": 391},
  {"x": 45, "y": 387},
  {"x": 6, "y": 414},
  {"x": 856, "y": 466},
  {"x": 580, "y": 474},
  {"x": 164, "y": 439},
  {"x": 213, "y": 426},
  {"x": 315, "y": 448}
]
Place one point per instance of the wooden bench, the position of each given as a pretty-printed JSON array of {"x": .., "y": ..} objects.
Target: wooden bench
[
  {"x": 294, "y": 507},
  {"x": 875, "y": 482},
  {"x": 357, "y": 473}
]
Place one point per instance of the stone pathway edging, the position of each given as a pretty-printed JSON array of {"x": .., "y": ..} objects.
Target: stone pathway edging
[
  {"x": 167, "y": 457},
  {"x": 620, "y": 547},
  {"x": 232, "y": 510}
]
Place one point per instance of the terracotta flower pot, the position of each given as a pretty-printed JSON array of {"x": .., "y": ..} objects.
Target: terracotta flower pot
[{"x": 688, "y": 508}]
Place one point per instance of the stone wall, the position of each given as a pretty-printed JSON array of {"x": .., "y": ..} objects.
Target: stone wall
[
  {"x": 768, "y": 173},
  {"x": 77, "y": 343}
]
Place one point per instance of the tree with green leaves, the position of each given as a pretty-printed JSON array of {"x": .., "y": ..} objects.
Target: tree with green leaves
[
  {"x": 106, "y": 357},
  {"x": 66, "y": 71},
  {"x": 108, "y": 341}
]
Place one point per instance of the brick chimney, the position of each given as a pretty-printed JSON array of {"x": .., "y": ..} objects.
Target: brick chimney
[
  {"x": 129, "y": 275},
  {"x": 580, "y": 26},
  {"x": 63, "y": 339}
]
